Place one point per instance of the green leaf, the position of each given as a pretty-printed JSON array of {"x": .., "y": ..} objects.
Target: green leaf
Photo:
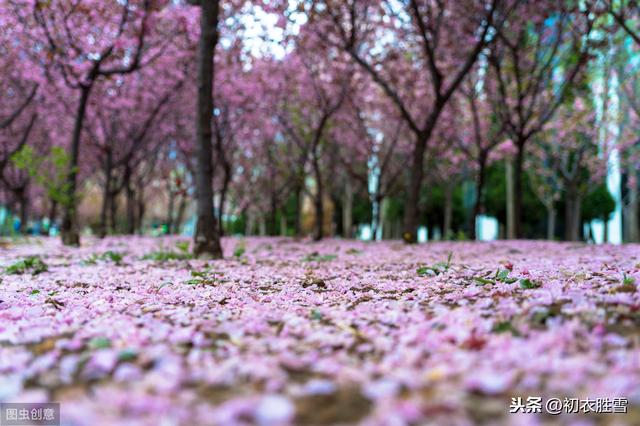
[
  {"x": 127, "y": 355},
  {"x": 164, "y": 256},
  {"x": 199, "y": 274},
  {"x": 113, "y": 256},
  {"x": 33, "y": 292},
  {"x": 505, "y": 327},
  {"x": 32, "y": 264},
  {"x": 437, "y": 268},
  {"x": 89, "y": 261},
  {"x": 99, "y": 343},
  {"x": 316, "y": 257},
  {"x": 627, "y": 280},
  {"x": 316, "y": 315},
  {"x": 483, "y": 281},
  {"x": 423, "y": 270},
  {"x": 526, "y": 283},
  {"x": 183, "y": 246},
  {"x": 239, "y": 250},
  {"x": 502, "y": 275}
]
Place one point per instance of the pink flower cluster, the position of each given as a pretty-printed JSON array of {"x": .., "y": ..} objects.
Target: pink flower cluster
[{"x": 338, "y": 332}]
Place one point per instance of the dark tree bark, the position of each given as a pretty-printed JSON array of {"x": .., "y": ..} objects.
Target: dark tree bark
[
  {"x": 478, "y": 207},
  {"x": 130, "y": 201},
  {"x": 273, "y": 214},
  {"x": 620, "y": 16},
  {"x": 170, "y": 210},
  {"x": 411, "y": 210},
  {"x": 106, "y": 195},
  {"x": 207, "y": 235},
  {"x": 6, "y": 122},
  {"x": 223, "y": 196},
  {"x": 551, "y": 222},
  {"x": 113, "y": 212},
  {"x": 377, "y": 215},
  {"x": 347, "y": 210},
  {"x": 180, "y": 216},
  {"x": 69, "y": 230},
  {"x": 140, "y": 212},
  {"x": 24, "y": 208},
  {"x": 318, "y": 204},
  {"x": 53, "y": 212},
  {"x": 573, "y": 206},
  {"x": 447, "y": 232},
  {"x": 517, "y": 187},
  {"x": 297, "y": 225}
]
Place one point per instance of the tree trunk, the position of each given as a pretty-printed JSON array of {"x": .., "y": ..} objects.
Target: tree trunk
[
  {"x": 273, "y": 215},
  {"x": 69, "y": 230},
  {"x": 572, "y": 213},
  {"x": 22, "y": 199},
  {"x": 138, "y": 217},
  {"x": 248, "y": 230},
  {"x": 633, "y": 231},
  {"x": 318, "y": 233},
  {"x": 376, "y": 218},
  {"x": 479, "y": 204},
  {"x": 318, "y": 201},
  {"x": 113, "y": 211},
  {"x": 347, "y": 211},
  {"x": 182, "y": 207},
  {"x": 130, "y": 201},
  {"x": 298, "y": 214},
  {"x": 223, "y": 199},
  {"x": 551, "y": 222},
  {"x": 511, "y": 209},
  {"x": 337, "y": 215},
  {"x": 102, "y": 226},
  {"x": 53, "y": 212},
  {"x": 170, "y": 208},
  {"x": 411, "y": 211},
  {"x": 383, "y": 222},
  {"x": 283, "y": 223},
  {"x": 262, "y": 226},
  {"x": 517, "y": 191},
  {"x": 207, "y": 236},
  {"x": 447, "y": 233}
]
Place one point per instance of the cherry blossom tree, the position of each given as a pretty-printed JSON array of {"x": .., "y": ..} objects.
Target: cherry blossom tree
[
  {"x": 121, "y": 120},
  {"x": 566, "y": 159},
  {"x": 318, "y": 93},
  {"x": 539, "y": 56},
  {"x": 412, "y": 62},
  {"x": 81, "y": 43},
  {"x": 372, "y": 146},
  {"x": 480, "y": 134},
  {"x": 629, "y": 147}
]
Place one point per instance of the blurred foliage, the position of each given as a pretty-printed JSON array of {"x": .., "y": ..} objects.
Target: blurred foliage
[
  {"x": 50, "y": 171},
  {"x": 598, "y": 204}
]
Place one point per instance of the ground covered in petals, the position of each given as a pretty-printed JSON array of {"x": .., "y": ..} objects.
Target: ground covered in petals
[{"x": 133, "y": 331}]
